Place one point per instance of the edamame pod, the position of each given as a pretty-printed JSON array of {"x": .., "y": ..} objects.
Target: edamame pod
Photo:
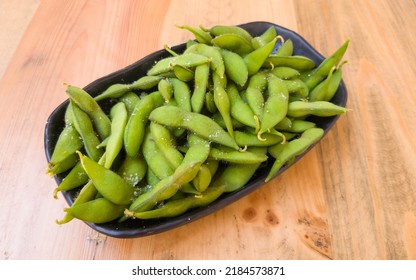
[
  {"x": 200, "y": 124},
  {"x": 200, "y": 87},
  {"x": 264, "y": 38},
  {"x": 166, "y": 89},
  {"x": 133, "y": 170},
  {"x": 114, "y": 145},
  {"x": 135, "y": 127},
  {"x": 245, "y": 157},
  {"x": 219, "y": 30},
  {"x": 69, "y": 141},
  {"x": 298, "y": 109},
  {"x": 294, "y": 148},
  {"x": 201, "y": 35},
  {"x": 96, "y": 211},
  {"x": 181, "y": 94},
  {"x": 187, "y": 60},
  {"x": 255, "y": 59},
  {"x": 83, "y": 125},
  {"x": 87, "y": 103},
  {"x": 235, "y": 67},
  {"x": 276, "y": 105},
  {"x": 168, "y": 187},
  {"x": 325, "y": 66},
  {"x": 213, "y": 54},
  {"x": 286, "y": 49},
  {"x": 233, "y": 42},
  {"x": 165, "y": 141},
  {"x": 108, "y": 183},
  {"x": 239, "y": 109},
  {"x": 297, "y": 62}
]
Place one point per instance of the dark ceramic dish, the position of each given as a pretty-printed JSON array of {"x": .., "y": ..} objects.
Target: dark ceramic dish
[{"x": 138, "y": 228}]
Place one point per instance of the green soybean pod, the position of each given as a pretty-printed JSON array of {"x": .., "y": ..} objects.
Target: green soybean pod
[
  {"x": 119, "y": 117},
  {"x": 254, "y": 92},
  {"x": 233, "y": 42},
  {"x": 190, "y": 43},
  {"x": 201, "y": 35},
  {"x": 88, "y": 192},
  {"x": 218, "y": 30},
  {"x": 145, "y": 83},
  {"x": 62, "y": 166},
  {"x": 205, "y": 174},
  {"x": 83, "y": 125},
  {"x": 286, "y": 123},
  {"x": 255, "y": 59},
  {"x": 75, "y": 178},
  {"x": 222, "y": 102},
  {"x": 235, "y": 67},
  {"x": 276, "y": 105},
  {"x": 130, "y": 99},
  {"x": 240, "y": 110},
  {"x": 298, "y": 62},
  {"x": 209, "y": 102},
  {"x": 248, "y": 139},
  {"x": 235, "y": 176},
  {"x": 166, "y": 89},
  {"x": 166, "y": 143},
  {"x": 259, "y": 80},
  {"x": 325, "y": 66},
  {"x": 133, "y": 169},
  {"x": 96, "y": 211},
  {"x": 334, "y": 83},
  {"x": 299, "y": 126},
  {"x": 113, "y": 91},
  {"x": 285, "y": 72},
  {"x": 318, "y": 92},
  {"x": 151, "y": 177},
  {"x": 200, "y": 87},
  {"x": 294, "y": 148},
  {"x": 69, "y": 140},
  {"x": 182, "y": 73},
  {"x": 179, "y": 206},
  {"x": 297, "y": 87},
  {"x": 87, "y": 103},
  {"x": 135, "y": 127},
  {"x": 181, "y": 93},
  {"x": 165, "y": 65},
  {"x": 264, "y": 38},
  {"x": 298, "y": 109},
  {"x": 202, "y": 178},
  {"x": 167, "y": 187},
  {"x": 213, "y": 54},
  {"x": 286, "y": 49},
  {"x": 239, "y": 157},
  {"x": 155, "y": 160},
  {"x": 198, "y": 123},
  {"x": 118, "y": 90},
  {"x": 107, "y": 182}
]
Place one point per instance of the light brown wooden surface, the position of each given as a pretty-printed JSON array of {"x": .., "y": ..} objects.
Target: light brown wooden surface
[{"x": 352, "y": 197}]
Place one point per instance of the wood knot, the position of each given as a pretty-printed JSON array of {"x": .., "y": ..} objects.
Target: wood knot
[
  {"x": 249, "y": 214},
  {"x": 271, "y": 218}
]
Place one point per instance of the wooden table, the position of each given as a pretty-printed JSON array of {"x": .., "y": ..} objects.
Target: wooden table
[{"x": 352, "y": 197}]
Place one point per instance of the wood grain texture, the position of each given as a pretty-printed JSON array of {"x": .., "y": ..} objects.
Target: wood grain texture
[
  {"x": 352, "y": 197},
  {"x": 15, "y": 15}
]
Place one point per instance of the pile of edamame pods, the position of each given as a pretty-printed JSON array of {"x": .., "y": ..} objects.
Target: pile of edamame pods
[{"x": 198, "y": 125}]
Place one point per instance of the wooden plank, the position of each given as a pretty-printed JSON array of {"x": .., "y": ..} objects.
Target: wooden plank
[
  {"x": 13, "y": 26},
  {"x": 351, "y": 197}
]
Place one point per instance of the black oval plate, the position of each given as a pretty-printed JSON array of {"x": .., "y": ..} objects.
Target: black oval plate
[{"x": 138, "y": 228}]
